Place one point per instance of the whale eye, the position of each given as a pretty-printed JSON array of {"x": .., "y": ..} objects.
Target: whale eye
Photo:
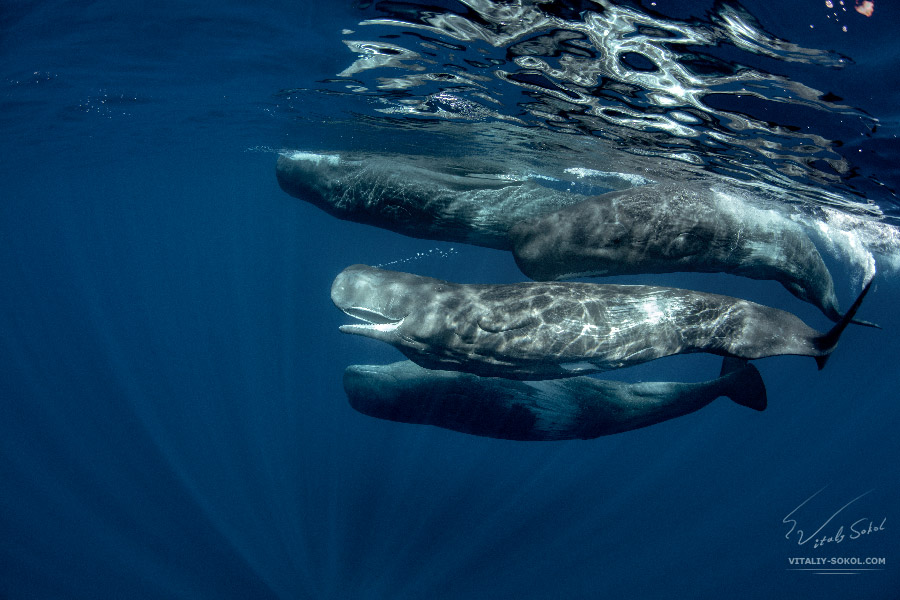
[{"x": 685, "y": 244}]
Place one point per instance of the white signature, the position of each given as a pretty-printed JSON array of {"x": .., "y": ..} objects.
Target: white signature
[{"x": 835, "y": 534}]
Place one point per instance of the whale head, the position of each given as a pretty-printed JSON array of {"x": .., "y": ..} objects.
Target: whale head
[
  {"x": 372, "y": 389},
  {"x": 480, "y": 329},
  {"x": 382, "y": 300},
  {"x": 312, "y": 177},
  {"x": 358, "y": 187},
  {"x": 392, "y": 392}
]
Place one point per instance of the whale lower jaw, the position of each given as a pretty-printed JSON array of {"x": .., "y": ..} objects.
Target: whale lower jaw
[
  {"x": 370, "y": 329},
  {"x": 376, "y": 324}
]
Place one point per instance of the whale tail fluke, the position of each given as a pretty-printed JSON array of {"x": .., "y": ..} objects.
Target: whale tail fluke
[
  {"x": 744, "y": 384},
  {"x": 827, "y": 342}
]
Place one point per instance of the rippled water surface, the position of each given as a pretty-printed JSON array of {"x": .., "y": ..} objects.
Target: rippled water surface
[
  {"x": 582, "y": 90},
  {"x": 712, "y": 92},
  {"x": 172, "y": 420}
]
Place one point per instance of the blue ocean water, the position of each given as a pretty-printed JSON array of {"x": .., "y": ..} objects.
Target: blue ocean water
[{"x": 173, "y": 423}]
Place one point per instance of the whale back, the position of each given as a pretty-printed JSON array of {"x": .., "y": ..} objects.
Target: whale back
[{"x": 668, "y": 228}]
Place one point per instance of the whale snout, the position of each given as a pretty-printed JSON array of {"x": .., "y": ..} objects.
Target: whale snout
[
  {"x": 364, "y": 379},
  {"x": 305, "y": 175},
  {"x": 368, "y": 389},
  {"x": 389, "y": 392},
  {"x": 321, "y": 179},
  {"x": 359, "y": 292},
  {"x": 356, "y": 286}
]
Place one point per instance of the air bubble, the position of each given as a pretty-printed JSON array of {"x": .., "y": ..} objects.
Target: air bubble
[{"x": 437, "y": 253}]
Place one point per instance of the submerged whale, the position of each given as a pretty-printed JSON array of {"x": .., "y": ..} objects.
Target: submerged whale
[
  {"x": 549, "y": 330},
  {"x": 565, "y": 409},
  {"x": 665, "y": 228},
  {"x": 555, "y": 234},
  {"x": 397, "y": 194}
]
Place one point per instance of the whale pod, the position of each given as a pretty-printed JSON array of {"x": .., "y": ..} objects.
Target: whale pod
[{"x": 556, "y": 234}]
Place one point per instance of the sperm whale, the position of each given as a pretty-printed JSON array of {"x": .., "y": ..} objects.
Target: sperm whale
[
  {"x": 545, "y": 330},
  {"x": 557, "y": 234},
  {"x": 666, "y": 228},
  {"x": 408, "y": 197},
  {"x": 562, "y": 409}
]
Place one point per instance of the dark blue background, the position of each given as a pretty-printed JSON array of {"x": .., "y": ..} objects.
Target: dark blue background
[{"x": 172, "y": 422}]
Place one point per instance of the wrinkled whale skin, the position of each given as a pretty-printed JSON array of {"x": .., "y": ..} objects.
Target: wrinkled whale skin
[
  {"x": 544, "y": 330},
  {"x": 666, "y": 228},
  {"x": 397, "y": 194},
  {"x": 556, "y": 234}
]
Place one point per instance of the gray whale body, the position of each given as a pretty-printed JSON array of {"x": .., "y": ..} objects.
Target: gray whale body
[
  {"x": 546, "y": 330},
  {"x": 665, "y": 228},
  {"x": 555, "y": 234},
  {"x": 399, "y": 195},
  {"x": 563, "y": 409}
]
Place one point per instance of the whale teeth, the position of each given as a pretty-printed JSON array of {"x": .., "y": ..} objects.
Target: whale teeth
[
  {"x": 375, "y": 322},
  {"x": 369, "y": 316}
]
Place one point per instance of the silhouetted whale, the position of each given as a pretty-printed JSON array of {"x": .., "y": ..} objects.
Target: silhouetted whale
[
  {"x": 396, "y": 194},
  {"x": 665, "y": 228},
  {"x": 575, "y": 408},
  {"x": 560, "y": 329}
]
